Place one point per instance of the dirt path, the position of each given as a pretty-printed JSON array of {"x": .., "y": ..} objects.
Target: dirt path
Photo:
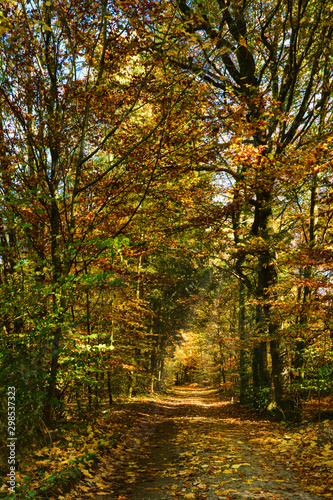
[{"x": 199, "y": 450}]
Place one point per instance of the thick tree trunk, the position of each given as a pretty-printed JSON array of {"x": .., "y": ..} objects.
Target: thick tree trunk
[
  {"x": 263, "y": 228},
  {"x": 260, "y": 371}
]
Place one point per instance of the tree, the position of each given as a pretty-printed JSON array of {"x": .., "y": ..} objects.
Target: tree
[
  {"x": 268, "y": 66},
  {"x": 87, "y": 121}
]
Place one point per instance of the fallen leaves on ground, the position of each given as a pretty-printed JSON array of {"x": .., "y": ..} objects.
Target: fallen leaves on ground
[
  {"x": 78, "y": 453},
  {"x": 308, "y": 448},
  {"x": 216, "y": 443}
]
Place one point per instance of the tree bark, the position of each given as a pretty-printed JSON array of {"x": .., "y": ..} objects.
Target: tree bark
[
  {"x": 243, "y": 353},
  {"x": 302, "y": 320},
  {"x": 263, "y": 228}
]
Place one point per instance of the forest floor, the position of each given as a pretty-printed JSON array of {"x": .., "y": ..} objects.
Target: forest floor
[
  {"x": 203, "y": 448},
  {"x": 192, "y": 443}
]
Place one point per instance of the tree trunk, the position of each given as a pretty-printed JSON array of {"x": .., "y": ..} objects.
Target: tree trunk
[
  {"x": 260, "y": 371},
  {"x": 302, "y": 320},
  {"x": 51, "y": 394},
  {"x": 109, "y": 389},
  {"x": 263, "y": 228},
  {"x": 57, "y": 274},
  {"x": 286, "y": 407},
  {"x": 243, "y": 354}
]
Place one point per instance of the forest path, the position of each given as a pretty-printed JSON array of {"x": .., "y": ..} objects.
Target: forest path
[{"x": 202, "y": 448}]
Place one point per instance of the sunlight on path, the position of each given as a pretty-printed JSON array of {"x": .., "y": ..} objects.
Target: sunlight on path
[{"x": 197, "y": 396}]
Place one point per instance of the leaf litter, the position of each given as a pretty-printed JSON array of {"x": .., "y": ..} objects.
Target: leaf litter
[
  {"x": 192, "y": 445},
  {"x": 205, "y": 448}
]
